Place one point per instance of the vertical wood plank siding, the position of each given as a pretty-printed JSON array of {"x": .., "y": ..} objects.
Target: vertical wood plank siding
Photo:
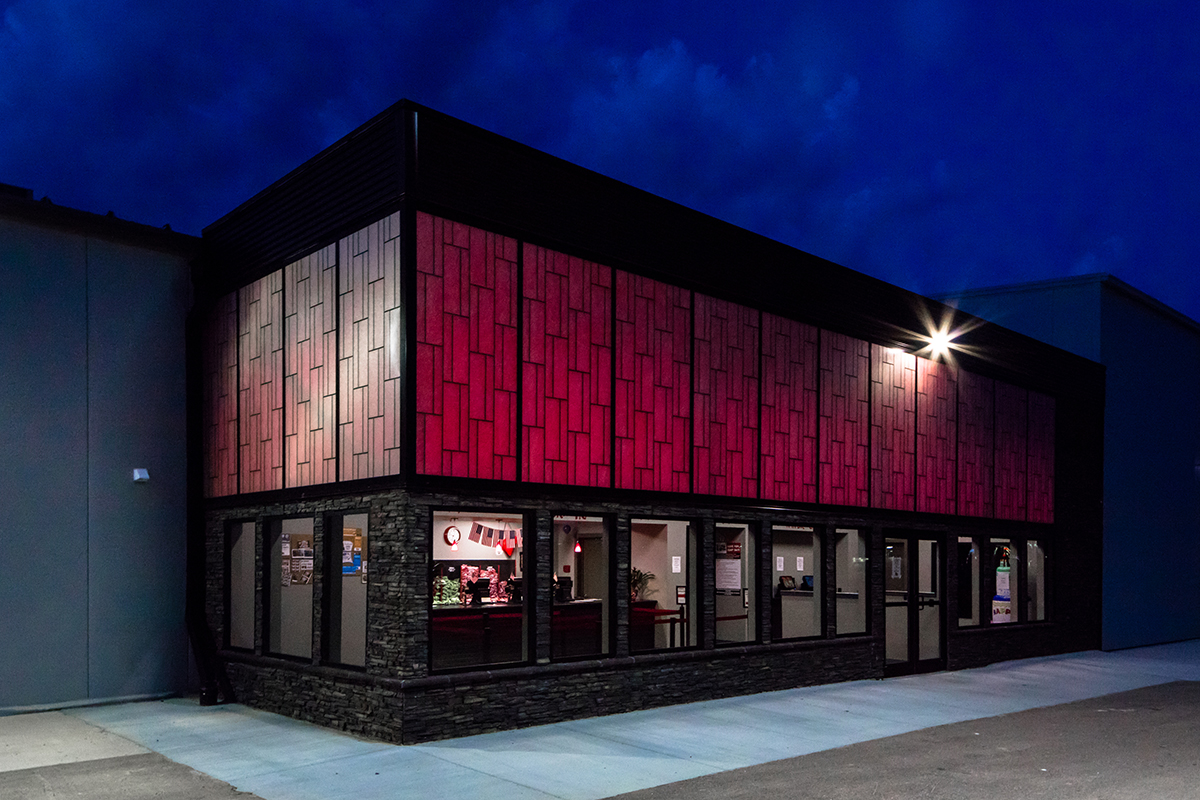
[
  {"x": 567, "y": 361},
  {"x": 467, "y": 351}
]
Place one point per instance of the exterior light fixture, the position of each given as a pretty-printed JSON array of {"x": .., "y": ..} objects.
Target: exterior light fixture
[
  {"x": 939, "y": 344},
  {"x": 578, "y": 549}
]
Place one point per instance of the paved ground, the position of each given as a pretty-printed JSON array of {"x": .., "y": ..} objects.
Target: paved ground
[
  {"x": 1143, "y": 744},
  {"x": 778, "y": 743},
  {"x": 54, "y": 755}
]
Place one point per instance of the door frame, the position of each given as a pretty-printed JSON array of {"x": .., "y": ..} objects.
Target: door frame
[{"x": 914, "y": 602}]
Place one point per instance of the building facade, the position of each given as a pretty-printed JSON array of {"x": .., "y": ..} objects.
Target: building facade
[
  {"x": 92, "y": 320},
  {"x": 491, "y": 440},
  {"x": 1152, "y": 440}
]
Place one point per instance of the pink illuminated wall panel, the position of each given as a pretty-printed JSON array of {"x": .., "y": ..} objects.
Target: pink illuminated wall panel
[
  {"x": 369, "y": 351},
  {"x": 1041, "y": 458},
  {"x": 937, "y": 436},
  {"x": 220, "y": 399},
  {"x": 893, "y": 428},
  {"x": 845, "y": 363},
  {"x": 310, "y": 369},
  {"x": 260, "y": 384},
  {"x": 1012, "y": 404},
  {"x": 725, "y": 398},
  {"x": 789, "y": 410},
  {"x": 567, "y": 376},
  {"x": 467, "y": 357},
  {"x": 976, "y": 445},
  {"x": 653, "y": 384}
]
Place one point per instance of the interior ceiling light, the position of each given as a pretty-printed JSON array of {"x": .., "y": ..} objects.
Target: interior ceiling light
[{"x": 578, "y": 549}]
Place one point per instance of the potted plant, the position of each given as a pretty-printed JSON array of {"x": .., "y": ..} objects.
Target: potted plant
[{"x": 638, "y": 581}]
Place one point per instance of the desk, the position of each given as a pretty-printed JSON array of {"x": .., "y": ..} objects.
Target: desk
[
  {"x": 644, "y": 615},
  {"x": 465, "y": 636},
  {"x": 577, "y": 629}
]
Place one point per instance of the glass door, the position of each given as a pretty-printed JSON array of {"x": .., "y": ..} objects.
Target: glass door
[{"x": 914, "y": 589}]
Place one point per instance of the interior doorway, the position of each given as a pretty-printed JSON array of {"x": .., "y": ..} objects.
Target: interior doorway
[{"x": 914, "y": 604}]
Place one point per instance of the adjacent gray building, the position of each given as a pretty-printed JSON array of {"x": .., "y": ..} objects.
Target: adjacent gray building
[
  {"x": 92, "y": 318},
  {"x": 1151, "y": 437}
]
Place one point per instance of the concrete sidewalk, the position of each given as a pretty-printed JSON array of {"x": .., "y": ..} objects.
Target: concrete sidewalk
[{"x": 276, "y": 758}]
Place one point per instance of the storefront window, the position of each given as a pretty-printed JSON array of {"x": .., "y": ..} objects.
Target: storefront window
[
  {"x": 479, "y": 593},
  {"x": 580, "y": 618},
  {"x": 290, "y": 580},
  {"x": 796, "y": 604},
  {"x": 735, "y": 582},
  {"x": 346, "y": 590},
  {"x": 1035, "y": 581},
  {"x": 241, "y": 585},
  {"x": 850, "y": 565},
  {"x": 663, "y": 593},
  {"x": 1004, "y": 564},
  {"x": 968, "y": 581}
]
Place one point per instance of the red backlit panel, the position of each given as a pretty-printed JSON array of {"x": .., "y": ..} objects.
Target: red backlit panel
[
  {"x": 1012, "y": 405},
  {"x": 976, "y": 445},
  {"x": 789, "y": 410},
  {"x": 893, "y": 428},
  {"x": 467, "y": 357},
  {"x": 1041, "y": 458},
  {"x": 369, "y": 351},
  {"x": 725, "y": 399},
  {"x": 310, "y": 369},
  {"x": 937, "y": 436},
  {"x": 220, "y": 399},
  {"x": 653, "y": 402},
  {"x": 567, "y": 394},
  {"x": 260, "y": 383},
  {"x": 845, "y": 407}
]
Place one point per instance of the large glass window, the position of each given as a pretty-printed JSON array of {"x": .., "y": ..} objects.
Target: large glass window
[
  {"x": 346, "y": 590},
  {"x": 796, "y": 604},
  {"x": 735, "y": 583},
  {"x": 290, "y": 580},
  {"x": 1035, "y": 581},
  {"x": 240, "y": 627},
  {"x": 663, "y": 593},
  {"x": 479, "y": 594},
  {"x": 968, "y": 581},
  {"x": 580, "y": 619},
  {"x": 850, "y": 573}
]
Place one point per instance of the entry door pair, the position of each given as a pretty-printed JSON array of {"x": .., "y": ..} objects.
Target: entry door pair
[{"x": 914, "y": 607}]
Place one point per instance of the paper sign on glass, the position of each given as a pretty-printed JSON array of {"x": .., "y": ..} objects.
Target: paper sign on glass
[
  {"x": 676, "y": 563},
  {"x": 779, "y": 563},
  {"x": 799, "y": 563},
  {"x": 729, "y": 574}
]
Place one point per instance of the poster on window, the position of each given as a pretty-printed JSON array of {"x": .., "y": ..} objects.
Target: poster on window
[
  {"x": 302, "y": 562},
  {"x": 285, "y": 561},
  {"x": 729, "y": 574},
  {"x": 352, "y": 551}
]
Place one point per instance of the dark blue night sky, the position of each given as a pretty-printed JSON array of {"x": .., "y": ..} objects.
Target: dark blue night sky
[{"x": 934, "y": 144}]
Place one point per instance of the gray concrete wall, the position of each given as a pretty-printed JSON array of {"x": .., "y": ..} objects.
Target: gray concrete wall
[
  {"x": 1152, "y": 503},
  {"x": 92, "y": 359}
]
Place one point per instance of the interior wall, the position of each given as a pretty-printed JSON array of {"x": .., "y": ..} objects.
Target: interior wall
[{"x": 93, "y": 360}]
